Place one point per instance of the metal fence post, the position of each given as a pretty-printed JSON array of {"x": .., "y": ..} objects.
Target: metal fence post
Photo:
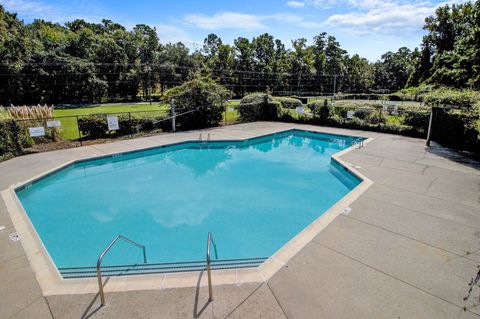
[
  {"x": 130, "y": 122},
  {"x": 172, "y": 104},
  {"x": 226, "y": 115},
  {"x": 429, "y": 132},
  {"x": 79, "y": 132}
]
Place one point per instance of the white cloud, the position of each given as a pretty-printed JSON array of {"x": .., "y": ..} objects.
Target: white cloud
[
  {"x": 41, "y": 9},
  {"x": 246, "y": 22},
  {"x": 225, "y": 20},
  {"x": 374, "y": 16},
  {"x": 387, "y": 19},
  {"x": 28, "y": 8},
  {"x": 169, "y": 33},
  {"x": 296, "y": 4}
]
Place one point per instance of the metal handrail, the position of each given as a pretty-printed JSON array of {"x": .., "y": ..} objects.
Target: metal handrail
[
  {"x": 209, "y": 270},
  {"x": 359, "y": 141},
  {"x": 99, "y": 262}
]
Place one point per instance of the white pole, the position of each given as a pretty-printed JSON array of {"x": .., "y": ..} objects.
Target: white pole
[{"x": 172, "y": 104}]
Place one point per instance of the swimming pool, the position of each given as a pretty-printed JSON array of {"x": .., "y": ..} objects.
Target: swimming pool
[{"x": 253, "y": 195}]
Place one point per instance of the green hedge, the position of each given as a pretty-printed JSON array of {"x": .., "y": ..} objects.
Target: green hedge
[
  {"x": 95, "y": 126},
  {"x": 456, "y": 129},
  {"x": 321, "y": 110},
  {"x": 464, "y": 99},
  {"x": 288, "y": 102},
  {"x": 418, "y": 119},
  {"x": 258, "y": 107},
  {"x": 12, "y": 139}
]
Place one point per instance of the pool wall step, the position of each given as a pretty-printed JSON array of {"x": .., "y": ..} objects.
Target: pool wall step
[{"x": 159, "y": 268}]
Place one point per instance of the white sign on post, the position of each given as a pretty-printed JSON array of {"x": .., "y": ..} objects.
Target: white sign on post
[
  {"x": 350, "y": 114},
  {"x": 395, "y": 110},
  {"x": 53, "y": 123},
  {"x": 36, "y": 131},
  {"x": 300, "y": 110},
  {"x": 112, "y": 121}
]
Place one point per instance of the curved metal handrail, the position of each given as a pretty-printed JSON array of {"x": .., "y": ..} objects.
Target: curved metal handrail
[
  {"x": 209, "y": 242},
  {"x": 99, "y": 262}
]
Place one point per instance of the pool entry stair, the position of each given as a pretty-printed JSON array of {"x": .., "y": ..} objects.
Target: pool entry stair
[
  {"x": 146, "y": 268},
  {"x": 160, "y": 268}
]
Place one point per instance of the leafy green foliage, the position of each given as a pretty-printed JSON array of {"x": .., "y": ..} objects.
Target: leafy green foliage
[
  {"x": 204, "y": 95},
  {"x": 95, "y": 126},
  {"x": 288, "y": 102},
  {"x": 453, "y": 98},
  {"x": 457, "y": 129},
  {"x": 259, "y": 107},
  {"x": 12, "y": 139},
  {"x": 321, "y": 110}
]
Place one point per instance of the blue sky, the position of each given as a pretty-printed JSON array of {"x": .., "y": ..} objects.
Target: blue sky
[{"x": 366, "y": 27}]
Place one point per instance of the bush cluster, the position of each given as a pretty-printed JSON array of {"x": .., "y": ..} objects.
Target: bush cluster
[
  {"x": 457, "y": 129},
  {"x": 321, "y": 110},
  {"x": 205, "y": 97},
  {"x": 95, "y": 126},
  {"x": 13, "y": 139},
  {"x": 288, "y": 102},
  {"x": 259, "y": 107}
]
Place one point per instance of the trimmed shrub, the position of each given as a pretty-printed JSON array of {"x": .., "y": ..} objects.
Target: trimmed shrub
[
  {"x": 417, "y": 119},
  {"x": 95, "y": 126},
  {"x": 464, "y": 99},
  {"x": 258, "y": 107},
  {"x": 453, "y": 128},
  {"x": 321, "y": 110},
  {"x": 363, "y": 113},
  {"x": 288, "y": 102},
  {"x": 12, "y": 139},
  {"x": 205, "y": 97}
]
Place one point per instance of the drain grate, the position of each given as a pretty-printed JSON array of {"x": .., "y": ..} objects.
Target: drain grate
[{"x": 159, "y": 268}]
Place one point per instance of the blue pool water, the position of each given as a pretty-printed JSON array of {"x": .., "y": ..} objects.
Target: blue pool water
[{"x": 253, "y": 196}]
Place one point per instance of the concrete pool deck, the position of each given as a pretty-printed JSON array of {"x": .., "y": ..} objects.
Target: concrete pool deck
[{"x": 408, "y": 248}]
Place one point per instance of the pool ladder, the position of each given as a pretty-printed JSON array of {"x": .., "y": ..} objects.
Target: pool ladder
[
  {"x": 99, "y": 262},
  {"x": 359, "y": 142},
  {"x": 148, "y": 269},
  {"x": 201, "y": 140},
  {"x": 210, "y": 241}
]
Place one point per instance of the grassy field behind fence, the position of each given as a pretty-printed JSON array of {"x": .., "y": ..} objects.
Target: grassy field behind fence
[
  {"x": 69, "y": 129},
  {"x": 67, "y": 115}
]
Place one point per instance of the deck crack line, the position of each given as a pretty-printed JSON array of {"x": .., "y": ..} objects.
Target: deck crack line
[
  {"x": 28, "y": 305},
  {"x": 393, "y": 277},
  {"x": 427, "y": 195},
  {"x": 405, "y": 236},
  {"x": 243, "y": 301},
  {"x": 278, "y": 302},
  {"x": 430, "y": 185},
  {"x": 48, "y": 306},
  {"x": 420, "y": 212}
]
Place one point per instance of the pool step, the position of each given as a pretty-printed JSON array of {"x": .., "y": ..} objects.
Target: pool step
[{"x": 160, "y": 268}]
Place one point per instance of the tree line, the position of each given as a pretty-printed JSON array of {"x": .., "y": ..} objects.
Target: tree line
[{"x": 77, "y": 62}]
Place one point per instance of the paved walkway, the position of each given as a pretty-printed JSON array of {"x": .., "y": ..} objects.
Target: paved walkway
[{"x": 408, "y": 249}]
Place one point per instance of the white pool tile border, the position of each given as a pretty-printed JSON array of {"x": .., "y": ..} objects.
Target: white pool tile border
[{"x": 52, "y": 283}]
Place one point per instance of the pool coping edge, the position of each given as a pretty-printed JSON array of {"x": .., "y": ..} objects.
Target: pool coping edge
[{"x": 52, "y": 283}]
